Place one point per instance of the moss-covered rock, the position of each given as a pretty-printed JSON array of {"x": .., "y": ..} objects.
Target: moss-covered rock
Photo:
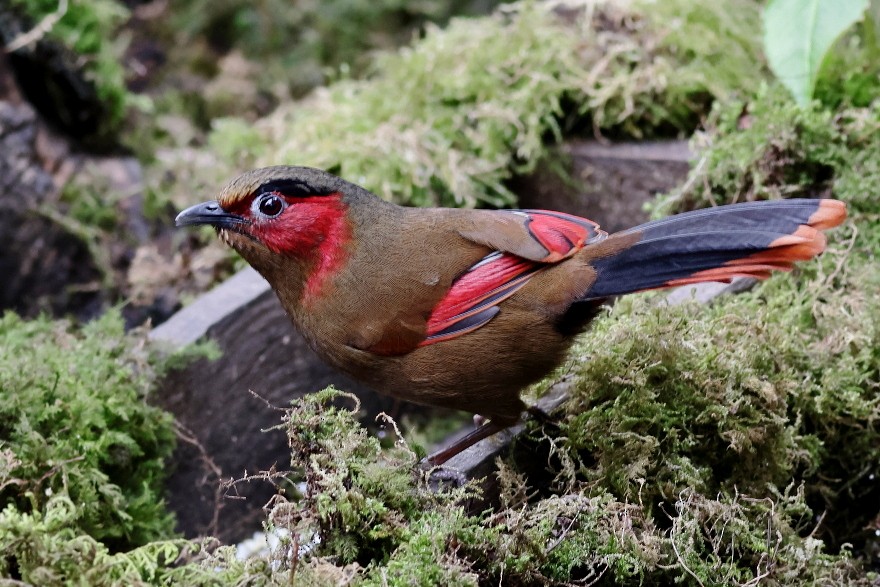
[
  {"x": 773, "y": 388},
  {"x": 770, "y": 147},
  {"x": 71, "y": 67},
  {"x": 449, "y": 119},
  {"x": 302, "y": 44},
  {"x": 362, "y": 516}
]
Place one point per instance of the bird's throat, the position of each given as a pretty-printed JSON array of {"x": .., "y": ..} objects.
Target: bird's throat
[{"x": 316, "y": 235}]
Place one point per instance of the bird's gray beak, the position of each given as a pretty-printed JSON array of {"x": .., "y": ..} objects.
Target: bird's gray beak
[{"x": 210, "y": 213}]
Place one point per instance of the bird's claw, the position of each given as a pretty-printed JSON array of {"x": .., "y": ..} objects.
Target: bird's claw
[
  {"x": 540, "y": 415},
  {"x": 440, "y": 478}
]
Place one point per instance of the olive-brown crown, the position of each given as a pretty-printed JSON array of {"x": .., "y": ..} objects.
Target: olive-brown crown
[{"x": 287, "y": 179}]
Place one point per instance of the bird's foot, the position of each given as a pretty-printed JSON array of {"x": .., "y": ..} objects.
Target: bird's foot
[
  {"x": 540, "y": 415},
  {"x": 440, "y": 478}
]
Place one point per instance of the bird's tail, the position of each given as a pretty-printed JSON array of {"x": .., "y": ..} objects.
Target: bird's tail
[{"x": 716, "y": 244}]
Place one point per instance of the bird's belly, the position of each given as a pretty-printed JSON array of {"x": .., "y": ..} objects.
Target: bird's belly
[{"x": 481, "y": 372}]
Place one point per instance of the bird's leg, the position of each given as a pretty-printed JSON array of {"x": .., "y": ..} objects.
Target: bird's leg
[
  {"x": 467, "y": 441},
  {"x": 484, "y": 429}
]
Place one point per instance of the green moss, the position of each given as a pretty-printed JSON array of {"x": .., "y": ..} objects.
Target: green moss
[
  {"x": 364, "y": 516},
  {"x": 767, "y": 388},
  {"x": 75, "y": 425},
  {"x": 375, "y": 517},
  {"x": 83, "y": 30},
  {"x": 48, "y": 548},
  {"x": 770, "y": 147},
  {"x": 301, "y": 44},
  {"x": 91, "y": 203},
  {"x": 850, "y": 74},
  {"x": 770, "y": 395},
  {"x": 736, "y": 539},
  {"x": 367, "y": 517},
  {"x": 477, "y": 101},
  {"x": 236, "y": 141},
  {"x": 363, "y": 508},
  {"x": 82, "y": 461},
  {"x": 424, "y": 557},
  {"x": 356, "y": 500}
]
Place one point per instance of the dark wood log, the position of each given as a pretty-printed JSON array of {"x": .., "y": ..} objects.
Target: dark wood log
[{"x": 44, "y": 267}]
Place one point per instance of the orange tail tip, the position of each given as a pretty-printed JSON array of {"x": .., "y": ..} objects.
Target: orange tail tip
[
  {"x": 802, "y": 245},
  {"x": 749, "y": 239},
  {"x": 831, "y": 213}
]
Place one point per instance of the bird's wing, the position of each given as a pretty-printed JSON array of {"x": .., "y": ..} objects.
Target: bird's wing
[
  {"x": 524, "y": 241},
  {"x": 536, "y": 235}
]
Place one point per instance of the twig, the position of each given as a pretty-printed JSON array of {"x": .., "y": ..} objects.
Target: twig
[
  {"x": 186, "y": 435},
  {"x": 767, "y": 558},
  {"x": 269, "y": 404},
  {"x": 401, "y": 441},
  {"x": 692, "y": 178},
  {"x": 681, "y": 559},
  {"x": 677, "y": 553},
  {"x": 562, "y": 534},
  {"x": 57, "y": 467},
  {"x": 818, "y": 524},
  {"x": 39, "y": 31},
  {"x": 845, "y": 257}
]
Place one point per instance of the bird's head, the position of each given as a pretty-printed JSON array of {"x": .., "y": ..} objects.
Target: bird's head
[
  {"x": 287, "y": 210},
  {"x": 281, "y": 213}
]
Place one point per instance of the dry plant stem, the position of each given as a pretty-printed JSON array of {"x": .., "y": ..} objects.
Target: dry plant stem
[
  {"x": 39, "y": 31},
  {"x": 401, "y": 441},
  {"x": 186, "y": 435}
]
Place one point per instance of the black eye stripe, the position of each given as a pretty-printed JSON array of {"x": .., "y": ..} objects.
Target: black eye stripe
[{"x": 294, "y": 188}]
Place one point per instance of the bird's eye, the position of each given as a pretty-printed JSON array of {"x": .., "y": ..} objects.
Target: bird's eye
[{"x": 270, "y": 206}]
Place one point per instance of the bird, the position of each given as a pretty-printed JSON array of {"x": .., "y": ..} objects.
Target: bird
[{"x": 464, "y": 308}]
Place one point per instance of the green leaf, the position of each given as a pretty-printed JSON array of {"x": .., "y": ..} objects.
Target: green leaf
[{"x": 798, "y": 34}]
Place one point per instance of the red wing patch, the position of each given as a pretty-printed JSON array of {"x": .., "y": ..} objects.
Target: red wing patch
[
  {"x": 474, "y": 297},
  {"x": 561, "y": 234}
]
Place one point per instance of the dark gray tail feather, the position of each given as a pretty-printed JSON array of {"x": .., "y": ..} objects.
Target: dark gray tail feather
[{"x": 717, "y": 244}]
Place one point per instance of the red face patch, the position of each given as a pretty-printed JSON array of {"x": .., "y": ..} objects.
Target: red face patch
[{"x": 314, "y": 229}]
